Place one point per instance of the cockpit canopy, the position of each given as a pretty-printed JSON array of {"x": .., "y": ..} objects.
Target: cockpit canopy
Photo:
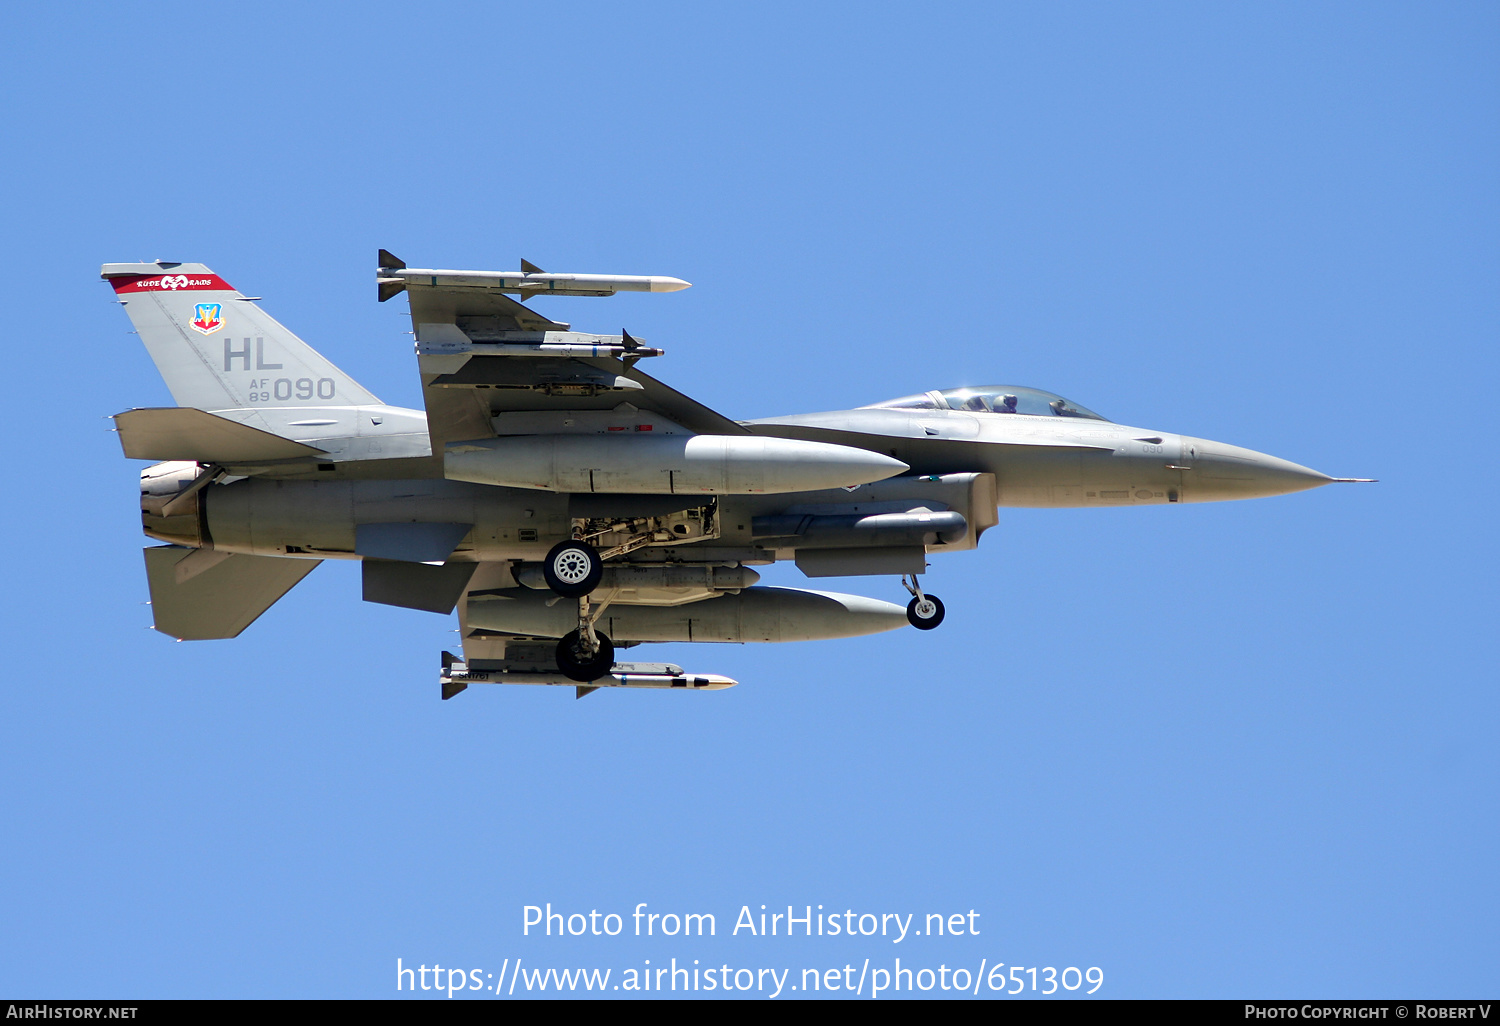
[{"x": 1031, "y": 402}]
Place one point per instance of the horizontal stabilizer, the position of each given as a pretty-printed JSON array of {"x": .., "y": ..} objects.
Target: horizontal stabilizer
[
  {"x": 222, "y": 598},
  {"x": 183, "y": 433}
]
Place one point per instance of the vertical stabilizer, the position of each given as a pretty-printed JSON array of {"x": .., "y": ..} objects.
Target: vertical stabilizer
[{"x": 217, "y": 350}]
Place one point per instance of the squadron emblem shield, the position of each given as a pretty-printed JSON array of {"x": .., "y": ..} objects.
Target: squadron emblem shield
[{"x": 206, "y": 318}]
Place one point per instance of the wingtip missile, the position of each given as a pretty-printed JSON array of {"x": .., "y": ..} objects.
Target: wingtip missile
[
  {"x": 394, "y": 275},
  {"x": 386, "y": 265}
]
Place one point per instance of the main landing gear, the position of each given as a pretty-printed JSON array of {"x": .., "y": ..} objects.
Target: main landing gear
[
  {"x": 924, "y": 612},
  {"x": 580, "y": 661},
  {"x": 585, "y": 654},
  {"x": 573, "y": 569}
]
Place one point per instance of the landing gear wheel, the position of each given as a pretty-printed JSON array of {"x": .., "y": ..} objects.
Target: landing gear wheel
[
  {"x": 577, "y": 665},
  {"x": 925, "y": 612},
  {"x": 573, "y": 569}
]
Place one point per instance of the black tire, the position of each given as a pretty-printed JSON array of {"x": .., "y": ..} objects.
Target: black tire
[
  {"x": 925, "y": 618},
  {"x": 574, "y": 665},
  {"x": 573, "y": 569}
]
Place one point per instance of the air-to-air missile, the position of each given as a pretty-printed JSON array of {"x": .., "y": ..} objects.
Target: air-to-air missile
[
  {"x": 531, "y": 280},
  {"x": 457, "y": 675}
]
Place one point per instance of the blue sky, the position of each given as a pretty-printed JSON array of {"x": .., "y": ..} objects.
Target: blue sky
[{"x": 1237, "y": 749}]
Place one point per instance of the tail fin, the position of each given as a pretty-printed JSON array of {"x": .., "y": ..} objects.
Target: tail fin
[{"x": 217, "y": 350}]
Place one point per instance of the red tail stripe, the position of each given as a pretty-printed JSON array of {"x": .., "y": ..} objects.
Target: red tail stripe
[{"x": 171, "y": 283}]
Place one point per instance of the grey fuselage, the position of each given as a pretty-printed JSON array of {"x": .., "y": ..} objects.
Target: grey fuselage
[{"x": 1034, "y": 461}]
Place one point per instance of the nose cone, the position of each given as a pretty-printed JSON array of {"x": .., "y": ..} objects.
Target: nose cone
[{"x": 1217, "y": 471}]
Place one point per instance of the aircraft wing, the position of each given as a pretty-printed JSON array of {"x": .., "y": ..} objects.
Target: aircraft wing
[{"x": 484, "y": 355}]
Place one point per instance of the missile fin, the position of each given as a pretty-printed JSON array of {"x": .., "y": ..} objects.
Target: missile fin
[
  {"x": 451, "y": 687},
  {"x": 388, "y": 259},
  {"x": 526, "y": 265},
  {"x": 583, "y": 689}
]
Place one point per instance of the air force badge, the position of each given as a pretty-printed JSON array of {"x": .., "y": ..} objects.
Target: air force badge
[{"x": 206, "y": 318}]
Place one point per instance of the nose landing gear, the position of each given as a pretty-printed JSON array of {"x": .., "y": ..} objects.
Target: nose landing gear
[{"x": 924, "y": 612}]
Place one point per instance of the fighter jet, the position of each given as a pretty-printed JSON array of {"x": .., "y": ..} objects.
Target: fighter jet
[{"x": 569, "y": 505}]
